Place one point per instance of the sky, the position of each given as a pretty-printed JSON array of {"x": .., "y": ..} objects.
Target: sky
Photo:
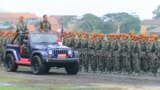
[{"x": 143, "y": 8}]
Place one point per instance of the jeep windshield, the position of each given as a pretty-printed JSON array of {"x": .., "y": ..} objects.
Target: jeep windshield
[{"x": 44, "y": 38}]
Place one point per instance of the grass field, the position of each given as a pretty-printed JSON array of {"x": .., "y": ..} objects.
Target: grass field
[
  {"x": 8, "y": 82},
  {"x": 24, "y": 80}
]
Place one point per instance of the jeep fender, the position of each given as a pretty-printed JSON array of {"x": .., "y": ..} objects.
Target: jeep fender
[
  {"x": 41, "y": 53},
  {"x": 76, "y": 54},
  {"x": 12, "y": 51}
]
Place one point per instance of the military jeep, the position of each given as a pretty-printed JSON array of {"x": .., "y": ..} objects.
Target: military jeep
[{"x": 40, "y": 51}]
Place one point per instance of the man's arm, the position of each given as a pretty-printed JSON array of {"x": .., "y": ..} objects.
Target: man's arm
[{"x": 18, "y": 27}]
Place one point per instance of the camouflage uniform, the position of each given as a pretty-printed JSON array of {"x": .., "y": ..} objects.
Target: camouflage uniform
[
  {"x": 110, "y": 64},
  {"x": 144, "y": 57},
  {"x": 78, "y": 47},
  {"x": 45, "y": 26},
  {"x": 116, "y": 56},
  {"x": 107, "y": 54},
  {"x": 125, "y": 56},
  {"x": 105, "y": 50},
  {"x": 93, "y": 62},
  {"x": 71, "y": 42},
  {"x": 21, "y": 28},
  {"x": 99, "y": 54},
  {"x": 136, "y": 57},
  {"x": 129, "y": 56},
  {"x": 154, "y": 65},
  {"x": 85, "y": 59}
]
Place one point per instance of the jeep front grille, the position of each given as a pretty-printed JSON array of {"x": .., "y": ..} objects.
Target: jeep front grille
[{"x": 56, "y": 52}]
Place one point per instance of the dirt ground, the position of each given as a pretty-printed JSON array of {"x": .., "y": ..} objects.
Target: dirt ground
[{"x": 81, "y": 81}]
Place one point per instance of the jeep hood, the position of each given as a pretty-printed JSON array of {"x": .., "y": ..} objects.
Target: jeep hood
[{"x": 50, "y": 47}]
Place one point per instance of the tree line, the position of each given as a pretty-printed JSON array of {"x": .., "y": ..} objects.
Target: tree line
[{"x": 109, "y": 23}]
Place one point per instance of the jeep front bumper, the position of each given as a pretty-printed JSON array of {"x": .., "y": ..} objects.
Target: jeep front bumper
[{"x": 56, "y": 60}]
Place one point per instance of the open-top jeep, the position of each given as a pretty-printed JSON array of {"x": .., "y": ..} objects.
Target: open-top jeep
[{"x": 41, "y": 51}]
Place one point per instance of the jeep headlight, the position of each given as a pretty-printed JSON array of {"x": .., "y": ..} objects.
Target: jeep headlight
[
  {"x": 49, "y": 52},
  {"x": 70, "y": 52}
]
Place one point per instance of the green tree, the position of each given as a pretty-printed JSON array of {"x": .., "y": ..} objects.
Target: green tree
[
  {"x": 121, "y": 23},
  {"x": 108, "y": 27},
  {"x": 132, "y": 24},
  {"x": 90, "y": 23},
  {"x": 66, "y": 21},
  {"x": 156, "y": 13}
]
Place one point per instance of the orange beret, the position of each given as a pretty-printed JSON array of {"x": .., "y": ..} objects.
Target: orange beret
[{"x": 21, "y": 17}]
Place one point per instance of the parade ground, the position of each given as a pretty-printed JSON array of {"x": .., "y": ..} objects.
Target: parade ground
[{"x": 57, "y": 79}]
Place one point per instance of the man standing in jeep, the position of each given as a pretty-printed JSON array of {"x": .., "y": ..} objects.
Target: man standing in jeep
[
  {"x": 21, "y": 28},
  {"x": 45, "y": 25}
]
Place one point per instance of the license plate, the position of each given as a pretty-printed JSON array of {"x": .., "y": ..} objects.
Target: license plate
[{"x": 61, "y": 56}]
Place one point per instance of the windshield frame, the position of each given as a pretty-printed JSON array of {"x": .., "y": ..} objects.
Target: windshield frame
[{"x": 32, "y": 34}]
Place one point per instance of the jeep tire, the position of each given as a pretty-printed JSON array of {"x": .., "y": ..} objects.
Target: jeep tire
[
  {"x": 73, "y": 68},
  {"x": 37, "y": 65},
  {"x": 9, "y": 63},
  {"x": 47, "y": 69}
]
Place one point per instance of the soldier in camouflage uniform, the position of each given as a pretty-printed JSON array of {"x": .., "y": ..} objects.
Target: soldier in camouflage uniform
[
  {"x": 116, "y": 56},
  {"x": 71, "y": 40},
  {"x": 78, "y": 47},
  {"x": 21, "y": 28},
  {"x": 154, "y": 65},
  {"x": 110, "y": 64},
  {"x": 99, "y": 52},
  {"x": 67, "y": 40},
  {"x": 93, "y": 62},
  {"x": 85, "y": 50},
  {"x": 107, "y": 53},
  {"x": 102, "y": 63},
  {"x": 45, "y": 25},
  {"x": 125, "y": 49},
  {"x": 144, "y": 55},
  {"x": 136, "y": 55}
]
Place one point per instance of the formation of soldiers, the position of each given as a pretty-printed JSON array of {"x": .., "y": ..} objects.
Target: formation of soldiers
[{"x": 120, "y": 53}]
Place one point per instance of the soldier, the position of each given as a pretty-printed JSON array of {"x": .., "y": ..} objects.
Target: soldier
[
  {"x": 45, "y": 25},
  {"x": 116, "y": 51},
  {"x": 85, "y": 52},
  {"x": 21, "y": 28},
  {"x": 92, "y": 58},
  {"x": 144, "y": 57},
  {"x": 107, "y": 52},
  {"x": 21, "y": 25},
  {"x": 136, "y": 55},
  {"x": 78, "y": 47},
  {"x": 110, "y": 64},
  {"x": 126, "y": 55},
  {"x": 154, "y": 60},
  {"x": 102, "y": 60},
  {"x": 67, "y": 39}
]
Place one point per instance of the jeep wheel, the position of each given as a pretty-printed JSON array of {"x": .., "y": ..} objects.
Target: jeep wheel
[
  {"x": 37, "y": 65},
  {"x": 47, "y": 69},
  {"x": 73, "y": 68},
  {"x": 9, "y": 63}
]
